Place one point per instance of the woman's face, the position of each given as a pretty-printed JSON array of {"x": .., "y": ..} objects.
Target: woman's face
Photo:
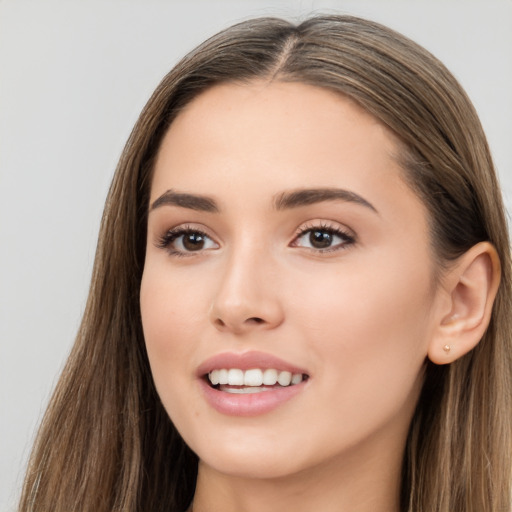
[{"x": 283, "y": 243}]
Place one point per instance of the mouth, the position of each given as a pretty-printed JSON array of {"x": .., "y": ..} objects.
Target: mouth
[
  {"x": 250, "y": 383},
  {"x": 253, "y": 380}
]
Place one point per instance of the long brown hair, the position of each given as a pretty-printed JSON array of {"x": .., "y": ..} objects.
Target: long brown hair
[{"x": 106, "y": 443}]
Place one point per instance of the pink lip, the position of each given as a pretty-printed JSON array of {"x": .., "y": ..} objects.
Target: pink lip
[
  {"x": 246, "y": 361},
  {"x": 252, "y": 404}
]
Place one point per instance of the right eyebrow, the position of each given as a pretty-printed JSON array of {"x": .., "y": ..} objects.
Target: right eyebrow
[{"x": 184, "y": 200}]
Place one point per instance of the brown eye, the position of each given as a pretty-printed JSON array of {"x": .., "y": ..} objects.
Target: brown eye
[
  {"x": 323, "y": 239},
  {"x": 183, "y": 241},
  {"x": 320, "y": 239},
  {"x": 193, "y": 241}
]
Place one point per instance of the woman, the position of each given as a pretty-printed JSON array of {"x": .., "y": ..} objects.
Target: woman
[{"x": 301, "y": 292}]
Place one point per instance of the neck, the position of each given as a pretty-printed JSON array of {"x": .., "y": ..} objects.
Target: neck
[{"x": 372, "y": 486}]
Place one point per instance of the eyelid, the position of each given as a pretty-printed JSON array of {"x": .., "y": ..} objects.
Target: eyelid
[
  {"x": 347, "y": 235},
  {"x": 165, "y": 240},
  {"x": 328, "y": 225}
]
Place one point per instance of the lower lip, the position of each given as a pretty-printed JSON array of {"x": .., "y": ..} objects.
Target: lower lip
[{"x": 250, "y": 404}]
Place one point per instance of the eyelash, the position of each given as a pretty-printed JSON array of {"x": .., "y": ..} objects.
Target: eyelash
[
  {"x": 347, "y": 238},
  {"x": 166, "y": 240}
]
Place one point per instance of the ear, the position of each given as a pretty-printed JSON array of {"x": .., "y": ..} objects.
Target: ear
[{"x": 471, "y": 285}]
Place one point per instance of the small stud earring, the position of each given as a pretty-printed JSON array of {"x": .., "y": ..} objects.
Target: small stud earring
[{"x": 447, "y": 348}]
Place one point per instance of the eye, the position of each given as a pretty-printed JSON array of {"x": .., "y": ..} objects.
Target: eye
[
  {"x": 323, "y": 238},
  {"x": 183, "y": 240}
]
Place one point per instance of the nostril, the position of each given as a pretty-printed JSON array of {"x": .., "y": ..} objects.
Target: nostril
[
  {"x": 255, "y": 320},
  {"x": 232, "y": 321}
]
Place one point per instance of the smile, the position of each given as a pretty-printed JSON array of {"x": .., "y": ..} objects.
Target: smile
[
  {"x": 254, "y": 380},
  {"x": 250, "y": 383}
]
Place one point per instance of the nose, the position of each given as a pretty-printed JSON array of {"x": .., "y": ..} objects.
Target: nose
[{"x": 247, "y": 296}]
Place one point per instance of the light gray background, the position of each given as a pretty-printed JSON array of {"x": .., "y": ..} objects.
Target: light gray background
[{"x": 73, "y": 78}]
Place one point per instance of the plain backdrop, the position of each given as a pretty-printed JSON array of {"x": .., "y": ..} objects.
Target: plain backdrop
[{"x": 73, "y": 77}]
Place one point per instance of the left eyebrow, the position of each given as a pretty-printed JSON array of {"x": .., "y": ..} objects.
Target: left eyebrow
[{"x": 304, "y": 197}]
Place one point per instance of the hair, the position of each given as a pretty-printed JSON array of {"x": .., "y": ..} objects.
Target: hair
[{"x": 106, "y": 442}]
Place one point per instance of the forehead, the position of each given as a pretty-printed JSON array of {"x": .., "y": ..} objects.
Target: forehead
[
  {"x": 295, "y": 129},
  {"x": 301, "y": 108}
]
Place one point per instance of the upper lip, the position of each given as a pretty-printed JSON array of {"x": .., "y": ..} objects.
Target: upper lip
[{"x": 246, "y": 361}]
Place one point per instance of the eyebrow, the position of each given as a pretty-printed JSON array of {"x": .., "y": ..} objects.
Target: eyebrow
[
  {"x": 283, "y": 201},
  {"x": 304, "y": 197},
  {"x": 184, "y": 200}
]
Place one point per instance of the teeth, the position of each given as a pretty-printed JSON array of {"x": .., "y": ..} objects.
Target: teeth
[
  {"x": 235, "y": 377},
  {"x": 223, "y": 376},
  {"x": 270, "y": 377},
  {"x": 245, "y": 390},
  {"x": 214, "y": 377},
  {"x": 253, "y": 378},
  {"x": 284, "y": 378},
  {"x": 296, "y": 378}
]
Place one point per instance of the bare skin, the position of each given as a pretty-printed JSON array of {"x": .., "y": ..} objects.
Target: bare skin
[{"x": 340, "y": 285}]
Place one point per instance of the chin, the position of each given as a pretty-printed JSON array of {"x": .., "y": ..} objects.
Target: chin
[
  {"x": 248, "y": 458},
  {"x": 257, "y": 467}
]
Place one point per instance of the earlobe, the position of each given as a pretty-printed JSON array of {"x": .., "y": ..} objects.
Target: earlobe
[{"x": 472, "y": 284}]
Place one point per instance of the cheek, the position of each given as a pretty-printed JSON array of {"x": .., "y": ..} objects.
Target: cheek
[
  {"x": 368, "y": 332},
  {"x": 362, "y": 299},
  {"x": 170, "y": 307},
  {"x": 171, "y": 314}
]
